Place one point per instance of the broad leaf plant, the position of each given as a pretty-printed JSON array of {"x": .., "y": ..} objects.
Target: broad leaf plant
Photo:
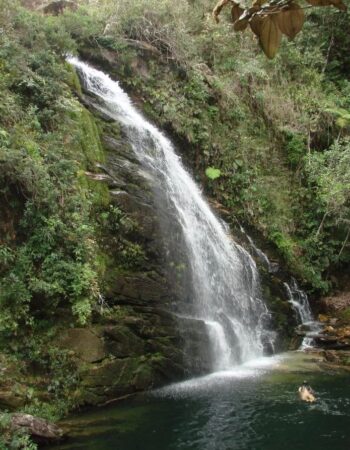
[{"x": 269, "y": 20}]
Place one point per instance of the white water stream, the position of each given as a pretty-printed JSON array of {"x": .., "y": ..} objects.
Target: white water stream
[
  {"x": 225, "y": 290},
  {"x": 296, "y": 297},
  {"x": 300, "y": 303},
  {"x": 259, "y": 253}
]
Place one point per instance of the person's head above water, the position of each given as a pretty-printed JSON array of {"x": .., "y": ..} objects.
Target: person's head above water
[{"x": 305, "y": 383}]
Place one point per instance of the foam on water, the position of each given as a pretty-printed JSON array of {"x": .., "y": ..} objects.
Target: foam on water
[{"x": 250, "y": 369}]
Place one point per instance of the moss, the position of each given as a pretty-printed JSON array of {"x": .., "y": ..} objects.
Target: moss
[
  {"x": 118, "y": 313},
  {"x": 345, "y": 315},
  {"x": 102, "y": 262},
  {"x": 91, "y": 152},
  {"x": 144, "y": 376},
  {"x": 73, "y": 79},
  {"x": 100, "y": 193},
  {"x": 108, "y": 128},
  {"x": 90, "y": 140}
]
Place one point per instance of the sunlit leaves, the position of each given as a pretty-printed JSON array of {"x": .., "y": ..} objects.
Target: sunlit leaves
[
  {"x": 269, "y": 20},
  {"x": 270, "y": 36},
  {"x": 343, "y": 116},
  {"x": 212, "y": 173}
]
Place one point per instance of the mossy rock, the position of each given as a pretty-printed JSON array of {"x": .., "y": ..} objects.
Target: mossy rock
[
  {"x": 84, "y": 343},
  {"x": 122, "y": 342}
]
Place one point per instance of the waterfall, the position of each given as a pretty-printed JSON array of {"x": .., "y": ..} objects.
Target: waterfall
[
  {"x": 225, "y": 291},
  {"x": 300, "y": 303}
]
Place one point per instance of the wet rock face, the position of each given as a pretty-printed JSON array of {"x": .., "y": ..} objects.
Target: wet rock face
[
  {"x": 141, "y": 288},
  {"x": 145, "y": 348},
  {"x": 195, "y": 339},
  {"x": 142, "y": 350}
]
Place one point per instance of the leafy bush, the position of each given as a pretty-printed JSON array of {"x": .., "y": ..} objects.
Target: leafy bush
[{"x": 46, "y": 140}]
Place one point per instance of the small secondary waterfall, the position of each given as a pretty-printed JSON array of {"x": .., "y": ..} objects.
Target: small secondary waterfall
[
  {"x": 258, "y": 252},
  {"x": 225, "y": 291},
  {"x": 296, "y": 297},
  {"x": 300, "y": 303}
]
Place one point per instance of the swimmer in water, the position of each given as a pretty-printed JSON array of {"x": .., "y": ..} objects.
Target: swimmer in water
[{"x": 306, "y": 393}]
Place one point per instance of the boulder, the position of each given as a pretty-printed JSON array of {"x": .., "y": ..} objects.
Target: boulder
[{"x": 38, "y": 428}]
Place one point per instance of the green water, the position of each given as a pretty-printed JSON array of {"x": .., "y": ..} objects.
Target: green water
[{"x": 253, "y": 409}]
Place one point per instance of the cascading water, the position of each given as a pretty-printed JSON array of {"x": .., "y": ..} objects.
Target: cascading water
[
  {"x": 225, "y": 291},
  {"x": 300, "y": 303},
  {"x": 259, "y": 253}
]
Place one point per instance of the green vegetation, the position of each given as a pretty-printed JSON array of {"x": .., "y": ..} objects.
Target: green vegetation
[
  {"x": 48, "y": 244},
  {"x": 268, "y": 139},
  {"x": 13, "y": 440},
  {"x": 212, "y": 173},
  {"x": 277, "y": 131},
  {"x": 54, "y": 218}
]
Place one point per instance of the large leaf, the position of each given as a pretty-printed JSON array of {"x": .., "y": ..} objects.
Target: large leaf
[
  {"x": 291, "y": 20},
  {"x": 270, "y": 36},
  {"x": 213, "y": 173},
  {"x": 256, "y": 23},
  {"x": 236, "y": 12},
  {"x": 240, "y": 24},
  {"x": 268, "y": 19}
]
